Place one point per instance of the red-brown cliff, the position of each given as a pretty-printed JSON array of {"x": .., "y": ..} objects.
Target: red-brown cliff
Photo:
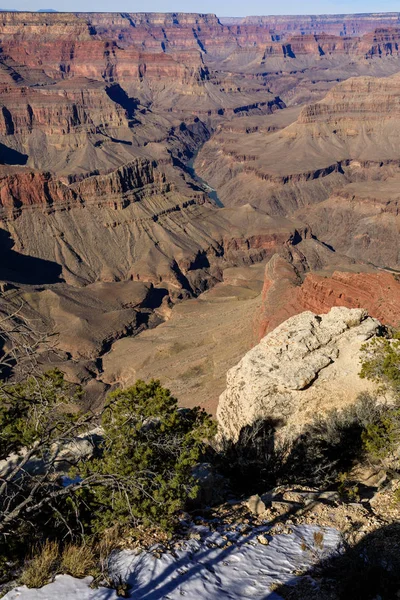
[{"x": 285, "y": 294}]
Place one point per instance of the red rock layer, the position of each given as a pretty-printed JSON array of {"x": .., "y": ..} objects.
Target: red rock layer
[
  {"x": 130, "y": 46},
  {"x": 117, "y": 189},
  {"x": 30, "y": 189},
  {"x": 378, "y": 292},
  {"x": 284, "y": 295}
]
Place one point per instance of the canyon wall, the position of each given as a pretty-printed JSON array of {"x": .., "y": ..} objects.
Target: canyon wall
[
  {"x": 113, "y": 127},
  {"x": 286, "y": 294}
]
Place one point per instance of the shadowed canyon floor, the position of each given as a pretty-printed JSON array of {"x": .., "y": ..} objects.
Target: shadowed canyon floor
[{"x": 174, "y": 186}]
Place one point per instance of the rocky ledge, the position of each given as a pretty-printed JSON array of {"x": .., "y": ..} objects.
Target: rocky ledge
[{"x": 306, "y": 366}]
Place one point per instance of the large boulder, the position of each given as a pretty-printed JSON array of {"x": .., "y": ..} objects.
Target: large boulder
[{"x": 306, "y": 366}]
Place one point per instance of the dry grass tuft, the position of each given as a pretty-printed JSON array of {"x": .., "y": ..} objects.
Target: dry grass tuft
[
  {"x": 41, "y": 568},
  {"x": 78, "y": 561}
]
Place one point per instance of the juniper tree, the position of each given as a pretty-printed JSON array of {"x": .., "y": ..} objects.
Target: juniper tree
[{"x": 141, "y": 471}]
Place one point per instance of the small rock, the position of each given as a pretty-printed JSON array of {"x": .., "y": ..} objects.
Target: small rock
[
  {"x": 256, "y": 505},
  {"x": 377, "y": 479},
  {"x": 263, "y": 540},
  {"x": 328, "y": 496},
  {"x": 267, "y": 498},
  {"x": 284, "y": 507}
]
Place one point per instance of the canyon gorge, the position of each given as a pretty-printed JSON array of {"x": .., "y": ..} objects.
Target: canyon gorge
[{"x": 173, "y": 187}]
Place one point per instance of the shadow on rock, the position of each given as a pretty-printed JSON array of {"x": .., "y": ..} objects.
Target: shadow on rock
[
  {"x": 9, "y": 156},
  {"x": 18, "y": 268}
]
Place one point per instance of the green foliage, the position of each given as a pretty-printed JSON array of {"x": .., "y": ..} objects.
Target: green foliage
[
  {"x": 39, "y": 407},
  {"x": 348, "y": 490},
  {"x": 380, "y": 362},
  {"x": 37, "y": 418},
  {"x": 382, "y": 439},
  {"x": 140, "y": 472},
  {"x": 146, "y": 459}
]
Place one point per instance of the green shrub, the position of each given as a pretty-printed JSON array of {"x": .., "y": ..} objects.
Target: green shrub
[
  {"x": 348, "y": 490},
  {"x": 380, "y": 362},
  {"x": 37, "y": 418},
  {"x": 149, "y": 448},
  {"x": 382, "y": 439},
  {"x": 40, "y": 407},
  {"x": 139, "y": 473}
]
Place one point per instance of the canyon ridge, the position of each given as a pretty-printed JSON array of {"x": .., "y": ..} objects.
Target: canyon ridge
[{"x": 173, "y": 187}]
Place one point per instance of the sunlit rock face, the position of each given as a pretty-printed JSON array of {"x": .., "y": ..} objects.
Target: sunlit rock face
[{"x": 306, "y": 366}]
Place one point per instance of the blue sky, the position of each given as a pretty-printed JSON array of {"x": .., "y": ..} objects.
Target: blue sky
[{"x": 220, "y": 7}]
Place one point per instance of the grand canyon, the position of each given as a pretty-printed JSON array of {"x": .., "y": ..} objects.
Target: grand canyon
[
  {"x": 209, "y": 206},
  {"x": 174, "y": 186}
]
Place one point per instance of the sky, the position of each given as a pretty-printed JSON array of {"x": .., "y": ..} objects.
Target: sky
[{"x": 232, "y": 8}]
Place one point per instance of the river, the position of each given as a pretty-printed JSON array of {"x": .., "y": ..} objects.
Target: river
[{"x": 212, "y": 194}]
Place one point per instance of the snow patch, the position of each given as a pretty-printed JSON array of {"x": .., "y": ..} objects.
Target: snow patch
[{"x": 212, "y": 565}]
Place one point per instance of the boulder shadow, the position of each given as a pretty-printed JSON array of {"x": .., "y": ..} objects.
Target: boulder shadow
[{"x": 19, "y": 268}]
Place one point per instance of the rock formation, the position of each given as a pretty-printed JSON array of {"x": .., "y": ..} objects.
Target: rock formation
[
  {"x": 335, "y": 167},
  {"x": 109, "y": 121},
  {"x": 306, "y": 366},
  {"x": 287, "y": 293}
]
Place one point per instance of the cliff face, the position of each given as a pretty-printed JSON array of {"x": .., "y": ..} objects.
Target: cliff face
[
  {"x": 129, "y": 183},
  {"x": 340, "y": 25},
  {"x": 358, "y": 99},
  {"x": 286, "y": 294},
  {"x": 306, "y": 366},
  {"x": 102, "y": 116}
]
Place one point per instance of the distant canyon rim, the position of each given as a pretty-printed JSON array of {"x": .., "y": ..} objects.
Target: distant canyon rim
[{"x": 175, "y": 186}]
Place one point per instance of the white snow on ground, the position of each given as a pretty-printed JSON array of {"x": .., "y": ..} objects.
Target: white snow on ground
[
  {"x": 221, "y": 565},
  {"x": 64, "y": 588}
]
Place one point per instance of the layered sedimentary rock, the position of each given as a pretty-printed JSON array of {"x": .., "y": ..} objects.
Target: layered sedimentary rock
[
  {"x": 101, "y": 118},
  {"x": 155, "y": 233},
  {"x": 286, "y": 293},
  {"x": 335, "y": 167},
  {"x": 362, "y": 218},
  {"x": 306, "y": 366},
  {"x": 340, "y": 24}
]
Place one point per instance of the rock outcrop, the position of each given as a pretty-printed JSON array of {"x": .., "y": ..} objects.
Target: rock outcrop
[
  {"x": 286, "y": 292},
  {"x": 102, "y": 116},
  {"x": 306, "y": 366}
]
